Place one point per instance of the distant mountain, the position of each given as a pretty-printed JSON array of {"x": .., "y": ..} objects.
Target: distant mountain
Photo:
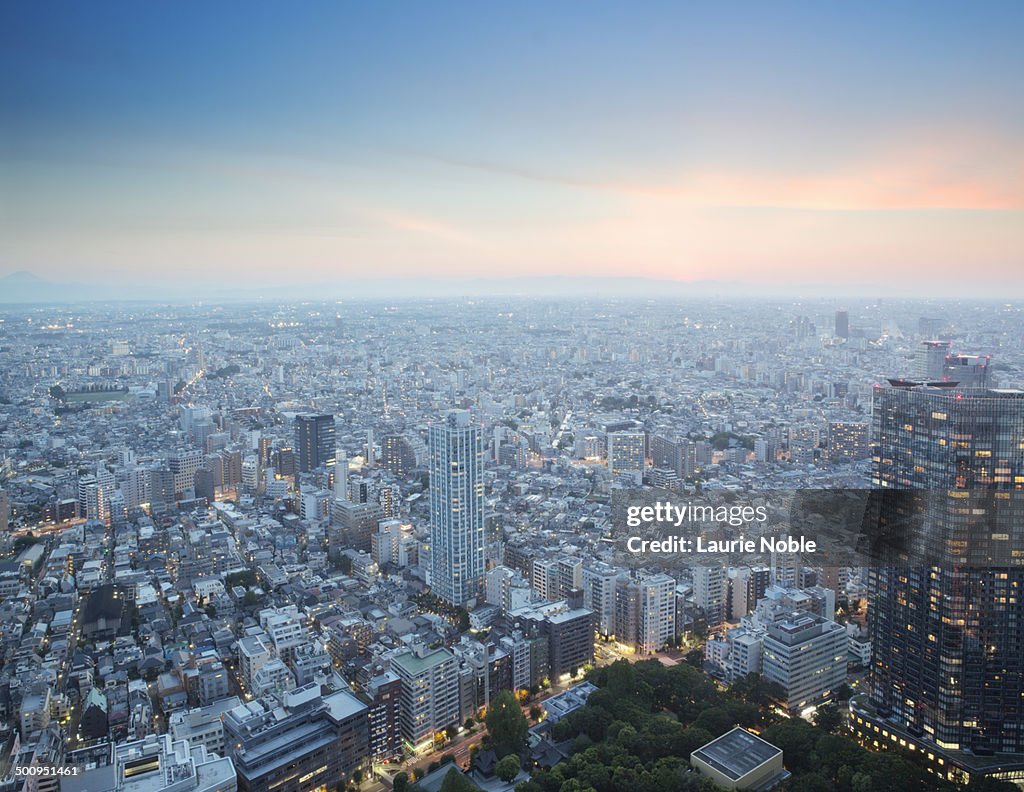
[
  {"x": 26, "y": 287},
  {"x": 22, "y": 277}
]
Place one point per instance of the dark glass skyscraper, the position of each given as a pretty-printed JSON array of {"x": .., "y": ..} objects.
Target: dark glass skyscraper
[
  {"x": 842, "y": 324},
  {"x": 314, "y": 441},
  {"x": 948, "y": 636}
]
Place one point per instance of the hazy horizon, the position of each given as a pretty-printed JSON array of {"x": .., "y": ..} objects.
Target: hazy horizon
[
  {"x": 26, "y": 288},
  {"x": 797, "y": 148}
]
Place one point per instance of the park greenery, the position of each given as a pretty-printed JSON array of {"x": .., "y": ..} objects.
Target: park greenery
[{"x": 636, "y": 734}]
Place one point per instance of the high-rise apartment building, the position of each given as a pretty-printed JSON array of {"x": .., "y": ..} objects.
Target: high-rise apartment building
[
  {"x": 384, "y": 692},
  {"x": 94, "y": 495},
  {"x": 397, "y": 455},
  {"x": 429, "y": 692},
  {"x": 599, "y": 582},
  {"x": 709, "y": 589},
  {"x": 183, "y": 466},
  {"x": 314, "y": 441},
  {"x": 456, "y": 508},
  {"x": 657, "y": 626},
  {"x": 627, "y": 455},
  {"x": 674, "y": 453}
]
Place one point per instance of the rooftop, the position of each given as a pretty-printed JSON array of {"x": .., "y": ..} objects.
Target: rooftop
[
  {"x": 736, "y": 753},
  {"x": 413, "y": 664},
  {"x": 343, "y": 704}
]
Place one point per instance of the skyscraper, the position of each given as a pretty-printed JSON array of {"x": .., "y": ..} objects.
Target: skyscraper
[
  {"x": 456, "y": 508},
  {"x": 947, "y": 655},
  {"x": 314, "y": 441},
  {"x": 842, "y": 324}
]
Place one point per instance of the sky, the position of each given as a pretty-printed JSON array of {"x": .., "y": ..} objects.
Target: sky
[{"x": 813, "y": 144}]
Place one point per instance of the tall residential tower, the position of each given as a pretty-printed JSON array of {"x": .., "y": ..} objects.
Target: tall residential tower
[{"x": 456, "y": 508}]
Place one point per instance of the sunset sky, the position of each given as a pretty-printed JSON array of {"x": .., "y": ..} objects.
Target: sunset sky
[{"x": 876, "y": 143}]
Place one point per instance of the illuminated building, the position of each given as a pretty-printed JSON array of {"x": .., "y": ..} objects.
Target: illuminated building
[
  {"x": 947, "y": 659},
  {"x": 456, "y": 508}
]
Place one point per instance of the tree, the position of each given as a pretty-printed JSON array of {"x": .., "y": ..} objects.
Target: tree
[
  {"x": 812, "y": 782},
  {"x": 695, "y": 658},
  {"x": 507, "y": 768},
  {"x": 454, "y": 781},
  {"x": 797, "y": 739},
  {"x": 506, "y": 724},
  {"x": 400, "y": 783},
  {"x": 536, "y": 712},
  {"x": 828, "y": 718},
  {"x": 245, "y": 577}
]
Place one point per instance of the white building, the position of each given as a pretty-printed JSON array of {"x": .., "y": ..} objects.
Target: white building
[
  {"x": 599, "y": 595},
  {"x": 157, "y": 762},
  {"x": 253, "y": 654},
  {"x": 430, "y": 692},
  {"x": 273, "y": 677},
  {"x": 202, "y": 725},
  {"x": 657, "y": 626},
  {"x": 806, "y": 654},
  {"x": 709, "y": 592}
]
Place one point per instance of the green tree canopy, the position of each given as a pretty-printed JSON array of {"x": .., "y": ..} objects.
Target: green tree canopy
[
  {"x": 506, "y": 724},
  {"x": 507, "y": 768},
  {"x": 454, "y": 781}
]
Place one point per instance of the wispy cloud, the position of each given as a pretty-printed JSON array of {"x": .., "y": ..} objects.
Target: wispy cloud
[{"x": 964, "y": 174}]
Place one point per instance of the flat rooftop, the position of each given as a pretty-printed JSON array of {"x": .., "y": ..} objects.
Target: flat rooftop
[
  {"x": 736, "y": 753},
  {"x": 343, "y": 704},
  {"x": 414, "y": 665}
]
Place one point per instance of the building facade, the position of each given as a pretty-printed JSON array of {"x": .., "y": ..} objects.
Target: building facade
[
  {"x": 457, "y": 540},
  {"x": 947, "y": 660}
]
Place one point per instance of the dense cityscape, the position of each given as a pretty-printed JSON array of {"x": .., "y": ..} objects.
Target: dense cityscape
[{"x": 367, "y": 545}]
